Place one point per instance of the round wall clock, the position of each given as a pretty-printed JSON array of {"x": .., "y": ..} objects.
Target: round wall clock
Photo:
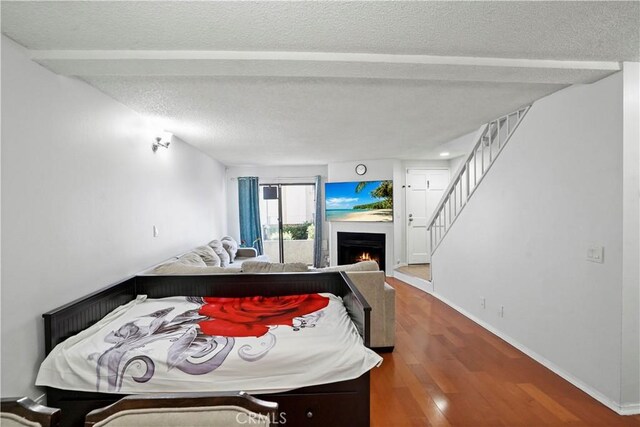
[{"x": 361, "y": 169}]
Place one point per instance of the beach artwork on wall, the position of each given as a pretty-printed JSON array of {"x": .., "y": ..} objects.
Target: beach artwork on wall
[{"x": 370, "y": 201}]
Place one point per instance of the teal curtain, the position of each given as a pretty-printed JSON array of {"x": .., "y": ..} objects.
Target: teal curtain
[
  {"x": 317, "y": 252},
  {"x": 249, "y": 205}
]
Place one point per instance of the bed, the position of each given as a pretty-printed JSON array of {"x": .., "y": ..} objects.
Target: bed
[{"x": 343, "y": 402}]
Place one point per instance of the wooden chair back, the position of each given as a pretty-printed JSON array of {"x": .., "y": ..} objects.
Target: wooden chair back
[
  {"x": 182, "y": 409},
  {"x": 22, "y": 411}
]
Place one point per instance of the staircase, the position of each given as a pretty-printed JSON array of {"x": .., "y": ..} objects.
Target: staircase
[{"x": 491, "y": 139}]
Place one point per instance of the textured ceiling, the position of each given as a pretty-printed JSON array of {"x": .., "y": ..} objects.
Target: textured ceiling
[
  {"x": 283, "y": 111},
  {"x": 310, "y": 121},
  {"x": 550, "y": 30}
]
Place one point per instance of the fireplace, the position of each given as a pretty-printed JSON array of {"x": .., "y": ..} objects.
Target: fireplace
[{"x": 356, "y": 247}]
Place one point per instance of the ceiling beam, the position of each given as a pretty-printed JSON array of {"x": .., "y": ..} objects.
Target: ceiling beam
[
  {"x": 322, "y": 57},
  {"x": 320, "y": 65}
]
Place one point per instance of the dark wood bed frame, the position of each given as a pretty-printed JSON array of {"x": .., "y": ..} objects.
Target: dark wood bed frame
[{"x": 335, "y": 404}]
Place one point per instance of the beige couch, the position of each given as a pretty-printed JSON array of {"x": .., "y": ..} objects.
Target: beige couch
[
  {"x": 382, "y": 298},
  {"x": 365, "y": 275}
]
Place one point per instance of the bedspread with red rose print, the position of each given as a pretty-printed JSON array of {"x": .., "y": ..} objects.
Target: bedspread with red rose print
[{"x": 256, "y": 344}]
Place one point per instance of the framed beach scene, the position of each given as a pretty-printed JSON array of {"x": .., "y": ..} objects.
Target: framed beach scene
[{"x": 367, "y": 201}]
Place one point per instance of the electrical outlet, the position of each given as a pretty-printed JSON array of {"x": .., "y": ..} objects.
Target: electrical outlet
[
  {"x": 483, "y": 302},
  {"x": 155, "y": 231},
  {"x": 501, "y": 312}
]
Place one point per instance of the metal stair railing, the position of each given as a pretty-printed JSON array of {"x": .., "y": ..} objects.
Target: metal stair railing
[{"x": 491, "y": 139}]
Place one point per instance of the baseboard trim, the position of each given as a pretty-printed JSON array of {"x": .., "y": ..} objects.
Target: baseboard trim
[
  {"x": 630, "y": 409},
  {"x": 627, "y": 409},
  {"x": 416, "y": 282}
]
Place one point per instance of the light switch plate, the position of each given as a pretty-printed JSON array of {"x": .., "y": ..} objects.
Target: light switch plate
[
  {"x": 595, "y": 254},
  {"x": 155, "y": 231}
]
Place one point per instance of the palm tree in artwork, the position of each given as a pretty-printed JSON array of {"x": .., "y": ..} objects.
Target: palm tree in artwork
[
  {"x": 360, "y": 186},
  {"x": 383, "y": 191}
]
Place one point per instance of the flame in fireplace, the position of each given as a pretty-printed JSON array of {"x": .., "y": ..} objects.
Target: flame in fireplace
[{"x": 365, "y": 257}]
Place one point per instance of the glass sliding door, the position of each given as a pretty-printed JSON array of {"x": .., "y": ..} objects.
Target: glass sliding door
[
  {"x": 287, "y": 215},
  {"x": 270, "y": 222}
]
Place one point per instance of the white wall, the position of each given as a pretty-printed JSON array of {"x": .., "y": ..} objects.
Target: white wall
[
  {"x": 455, "y": 163},
  {"x": 81, "y": 190},
  {"x": 522, "y": 240},
  {"x": 630, "y": 398},
  {"x": 460, "y": 147}
]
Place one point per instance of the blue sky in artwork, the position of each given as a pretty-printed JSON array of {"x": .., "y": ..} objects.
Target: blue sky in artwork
[{"x": 342, "y": 195}]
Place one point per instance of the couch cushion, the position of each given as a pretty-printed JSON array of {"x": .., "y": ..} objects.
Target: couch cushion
[
  {"x": 231, "y": 246},
  {"x": 359, "y": 266},
  {"x": 217, "y": 247},
  {"x": 208, "y": 255},
  {"x": 240, "y": 260},
  {"x": 272, "y": 267},
  {"x": 176, "y": 268},
  {"x": 191, "y": 258}
]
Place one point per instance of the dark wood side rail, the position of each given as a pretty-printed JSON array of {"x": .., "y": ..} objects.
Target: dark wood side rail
[
  {"x": 359, "y": 310},
  {"x": 71, "y": 318}
]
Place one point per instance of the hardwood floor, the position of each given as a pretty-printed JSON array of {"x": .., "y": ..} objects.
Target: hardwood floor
[{"x": 448, "y": 371}]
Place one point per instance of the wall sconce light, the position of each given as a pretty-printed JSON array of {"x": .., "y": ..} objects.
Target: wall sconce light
[{"x": 162, "y": 141}]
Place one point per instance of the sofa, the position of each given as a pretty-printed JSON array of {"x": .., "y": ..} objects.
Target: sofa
[
  {"x": 365, "y": 275},
  {"x": 382, "y": 298},
  {"x": 217, "y": 256}
]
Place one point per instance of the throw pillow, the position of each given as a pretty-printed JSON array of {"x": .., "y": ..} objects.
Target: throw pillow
[
  {"x": 208, "y": 255},
  {"x": 216, "y": 245},
  {"x": 231, "y": 246},
  {"x": 191, "y": 258},
  {"x": 188, "y": 260}
]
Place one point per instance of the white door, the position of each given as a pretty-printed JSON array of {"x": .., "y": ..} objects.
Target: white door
[{"x": 425, "y": 188}]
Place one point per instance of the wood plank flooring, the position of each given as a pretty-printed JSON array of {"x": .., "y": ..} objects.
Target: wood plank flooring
[{"x": 448, "y": 371}]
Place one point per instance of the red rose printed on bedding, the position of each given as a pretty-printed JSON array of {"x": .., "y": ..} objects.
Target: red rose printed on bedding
[{"x": 252, "y": 316}]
